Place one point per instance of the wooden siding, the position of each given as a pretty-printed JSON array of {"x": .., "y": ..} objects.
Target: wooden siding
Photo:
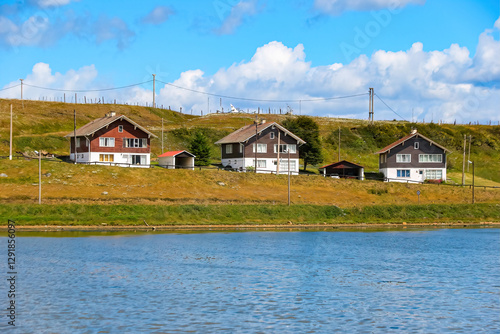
[
  {"x": 407, "y": 147},
  {"x": 263, "y": 138},
  {"x": 112, "y": 132}
]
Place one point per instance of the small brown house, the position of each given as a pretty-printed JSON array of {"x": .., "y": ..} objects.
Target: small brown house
[
  {"x": 265, "y": 146},
  {"x": 343, "y": 169}
]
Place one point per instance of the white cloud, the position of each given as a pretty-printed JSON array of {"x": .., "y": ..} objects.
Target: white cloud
[
  {"x": 436, "y": 85},
  {"x": 237, "y": 15},
  {"x": 336, "y": 7},
  {"x": 52, "y": 3},
  {"x": 44, "y": 28},
  {"x": 439, "y": 85},
  {"x": 158, "y": 15}
]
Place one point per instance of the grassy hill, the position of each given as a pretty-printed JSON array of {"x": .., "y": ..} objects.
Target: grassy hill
[{"x": 43, "y": 125}]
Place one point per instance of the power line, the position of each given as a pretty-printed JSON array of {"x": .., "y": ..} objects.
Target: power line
[
  {"x": 87, "y": 90},
  {"x": 390, "y": 108},
  {"x": 261, "y": 100},
  {"x": 10, "y": 87}
]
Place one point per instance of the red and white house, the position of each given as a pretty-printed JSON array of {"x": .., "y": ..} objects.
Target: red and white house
[{"x": 112, "y": 139}]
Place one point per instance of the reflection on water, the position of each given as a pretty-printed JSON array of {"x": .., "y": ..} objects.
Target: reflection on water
[{"x": 428, "y": 281}]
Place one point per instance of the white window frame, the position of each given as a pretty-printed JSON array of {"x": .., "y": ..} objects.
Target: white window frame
[
  {"x": 78, "y": 142},
  {"x": 120, "y": 128},
  {"x": 433, "y": 174},
  {"x": 400, "y": 172},
  {"x": 135, "y": 142},
  {"x": 261, "y": 148},
  {"x": 284, "y": 165},
  {"x": 229, "y": 148},
  {"x": 106, "y": 142},
  {"x": 271, "y": 135},
  {"x": 416, "y": 145},
  {"x": 285, "y": 147},
  {"x": 261, "y": 163},
  {"x": 106, "y": 157},
  {"x": 401, "y": 158},
  {"x": 429, "y": 158},
  {"x": 142, "y": 159}
]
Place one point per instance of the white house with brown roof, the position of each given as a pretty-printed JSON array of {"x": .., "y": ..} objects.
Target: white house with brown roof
[
  {"x": 413, "y": 158},
  {"x": 112, "y": 140},
  {"x": 261, "y": 146}
]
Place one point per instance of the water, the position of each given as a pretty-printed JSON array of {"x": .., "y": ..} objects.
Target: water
[{"x": 420, "y": 281}]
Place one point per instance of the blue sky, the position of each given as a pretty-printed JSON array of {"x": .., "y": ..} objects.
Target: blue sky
[{"x": 435, "y": 60}]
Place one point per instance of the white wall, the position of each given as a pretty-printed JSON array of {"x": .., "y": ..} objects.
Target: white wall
[
  {"x": 119, "y": 158},
  {"x": 415, "y": 176},
  {"x": 270, "y": 166}
]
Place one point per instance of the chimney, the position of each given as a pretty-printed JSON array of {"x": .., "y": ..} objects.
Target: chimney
[
  {"x": 263, "y": 121},
  {"x": 111, "y": 114},
  {"x": 413, "y": 131}
]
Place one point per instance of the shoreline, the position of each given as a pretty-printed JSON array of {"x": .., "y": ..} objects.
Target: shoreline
[{"x": 221, "y": 227}]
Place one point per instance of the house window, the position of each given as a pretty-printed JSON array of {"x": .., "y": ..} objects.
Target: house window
[
  {"x": 138, "y": 159},
  {"x": 285, "y": 147},
  {"x": 430, "y": 158},
  {"x": 403, "y": 173},
  {"x": 261, "y": 148},
  {"x": 261, "y": 163},
  {"x": 106, "y": 142},
  {"x": 433, "y": 174},
  {"x": 403, "y": 157},
  {"x": 271, "y": 135},
  {"x": 135, "y": 142},
  {"x": 284, "y": 165},
  {"x": 78, "y": 142},
  {"x": 229, "y": 148},
  {"x": 416, "y": 145},
  {"x": 107, "y": 157},
  {"x": 241, "y": 148},
  {"x": 120, "y": 128}
]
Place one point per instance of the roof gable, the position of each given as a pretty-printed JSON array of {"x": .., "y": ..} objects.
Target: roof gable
[
  {"x": 343, "y": 164},
  {"x": 248, "y": 131},
  {"x": 97, "y": 124},
  {"x": 405, "y": 138},
  {"x": 174, "y": 153}
]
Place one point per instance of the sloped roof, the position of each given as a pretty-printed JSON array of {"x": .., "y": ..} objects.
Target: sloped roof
[
  {"x": 343, "y": 164},
  {"x": 248, "y": 131},
  {"x": 174, "y": 153},
  {"x": 97, "y": 124},
  {"x": 405, "y": 138}
]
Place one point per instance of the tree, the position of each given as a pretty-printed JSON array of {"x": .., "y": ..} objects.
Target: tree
[
  {"x": 200, "y": 147},
  {"x": 307, "y": 129}
]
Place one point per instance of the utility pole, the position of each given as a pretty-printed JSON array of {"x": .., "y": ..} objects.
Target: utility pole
[
  {"x": 370, "y": 106},
  {"x": 468, "y": 157},
  {"x": 22, "y": 101},
  {"x": 162, "y": 135},
  {"x": 154, "y": 93},
  {"x": 256, "y": 134},
  {"x": 339, "y": 143},
  {"x": 40, "y": 177},
  {"x": 74, "y": 132},
  {"x": 288, "y": 176},
  {"x": 278, "y": 150},
  {"x": 10, "y": 151},
  {"x": 463, "y": 163},
  {"x": 473, "y": 185}
]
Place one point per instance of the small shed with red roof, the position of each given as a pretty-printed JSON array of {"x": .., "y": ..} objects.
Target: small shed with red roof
[
  {"x": 344, "y": 169},
  {"x": 176, "y": 159}
]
